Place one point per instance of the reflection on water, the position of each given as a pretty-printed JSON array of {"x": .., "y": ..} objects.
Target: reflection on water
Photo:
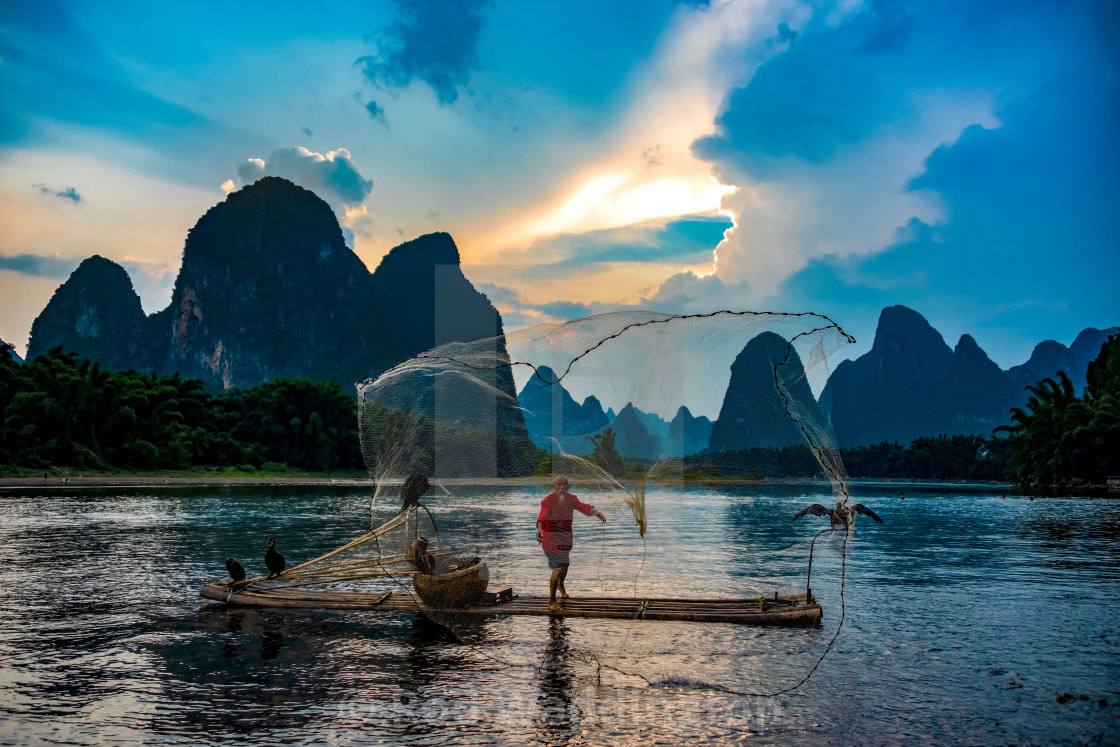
[
  {"x": 555, "y": 709},
  {"x": 966, "y": 616}
]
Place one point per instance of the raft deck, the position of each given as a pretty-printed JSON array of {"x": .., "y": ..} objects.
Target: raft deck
[{"x": 789, "y": 610}]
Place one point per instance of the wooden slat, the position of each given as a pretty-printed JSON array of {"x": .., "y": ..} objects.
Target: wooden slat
[{"x": 786, "y": 610}]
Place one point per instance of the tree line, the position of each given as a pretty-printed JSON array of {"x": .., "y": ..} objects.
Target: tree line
[{"x": 61, "y": 411}]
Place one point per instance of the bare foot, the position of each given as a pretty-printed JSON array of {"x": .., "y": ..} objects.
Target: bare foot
[
  {"x": 564, "y": 595},
  {"x": 554, "y": 607}
]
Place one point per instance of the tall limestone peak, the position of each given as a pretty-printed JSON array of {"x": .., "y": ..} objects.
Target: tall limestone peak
[
  {"x": 268, "y": 288},
  {"x": 976, "y": 394},
  {"x": 431, "y": 301},
  {"x": 754, "y": 413},
  {"x": 888, "y": 392},
  {"x": 93, "y": 314},
  {"x": 904, "y": 337}
]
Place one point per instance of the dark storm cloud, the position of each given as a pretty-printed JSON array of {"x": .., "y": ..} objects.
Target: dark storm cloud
[
  {"x": 434, "y": 41},
  {"x": 37, "y": 265}
]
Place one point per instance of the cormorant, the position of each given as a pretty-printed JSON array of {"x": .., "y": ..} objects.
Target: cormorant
[
  {"x": 415, "y": 485},
  {"x": 840, "y": 517},
  {"x": 273, "y": 560},
  {"x": 419, "y": 556},
  {"x": 236, "y": 570}
]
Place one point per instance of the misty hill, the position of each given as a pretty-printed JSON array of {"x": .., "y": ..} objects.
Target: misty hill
[
  {"x": 688, "y": 434},
  {"x": 268, "y": 289},
  {"x": 632, "y": 438},
  {"x": 754, "y": 413},
  {"x": 552, "y": 413},
  {"x": 912, "y": 384},
  {"x": 1049, "y": 357}
]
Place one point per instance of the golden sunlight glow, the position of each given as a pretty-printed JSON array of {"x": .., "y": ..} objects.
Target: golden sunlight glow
[{"x": 615, "y": 200}]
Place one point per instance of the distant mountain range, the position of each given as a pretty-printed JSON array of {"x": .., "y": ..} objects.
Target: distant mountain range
[
  {"x": 910, "y": 384},
  {"x": 268, "y": 289}
]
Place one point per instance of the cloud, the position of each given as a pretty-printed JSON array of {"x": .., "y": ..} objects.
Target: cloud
[
  {"x": 785, "y": 35},
  {"x": 69, "y": 193},
  {"x": 332, "y": 176},
  {"x": 376, "y": 112},
  {"x": 681, "y": 293},
  {"x": 37, "y": 265},
  {"x": 153, "y": 281},
  {"x": 434, "y": 41},
  {"x": 825, "y": 140},
  {"x": 688, "y": 240},
  {"x": 518, "y": 312},
  {"x": 1028, "y": 222}
]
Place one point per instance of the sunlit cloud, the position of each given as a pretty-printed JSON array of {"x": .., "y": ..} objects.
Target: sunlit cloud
[
  {"x": 643, "y": 167},
  {"x": 624, "y": 199},
  {"x": 333, "y": 176}
]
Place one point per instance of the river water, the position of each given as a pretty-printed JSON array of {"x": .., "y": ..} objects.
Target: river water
[{"x": 965, "y": 615}]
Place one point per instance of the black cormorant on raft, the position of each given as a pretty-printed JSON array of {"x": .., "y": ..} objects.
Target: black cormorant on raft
[
  {"x": 236, "y": 570},
  {"x": 273, "y": 560}
]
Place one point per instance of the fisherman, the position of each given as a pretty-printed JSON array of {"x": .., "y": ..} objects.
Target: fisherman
[{"x": 554, "y": 533}]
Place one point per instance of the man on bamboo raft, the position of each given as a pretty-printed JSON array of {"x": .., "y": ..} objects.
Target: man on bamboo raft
[{"x": 554, "y": 533}]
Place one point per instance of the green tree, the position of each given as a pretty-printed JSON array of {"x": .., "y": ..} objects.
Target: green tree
[
  {"x": 1062, "y": 439},
  {"x": 604, "y": 453}
]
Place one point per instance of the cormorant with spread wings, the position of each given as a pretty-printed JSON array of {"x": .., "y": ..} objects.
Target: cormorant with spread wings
[{"x": 840, "y": 517}]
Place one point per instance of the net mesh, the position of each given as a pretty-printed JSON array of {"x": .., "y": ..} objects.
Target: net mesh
[{"x": 633, "y": 408}]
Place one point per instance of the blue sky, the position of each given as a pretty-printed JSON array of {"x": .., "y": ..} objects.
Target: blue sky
[{"x": 960, "y": 158}]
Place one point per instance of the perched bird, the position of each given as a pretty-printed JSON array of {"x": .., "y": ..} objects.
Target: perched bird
[
  {"x": 236, "y": 570},
  {"x": 840, "y": 517},
  {"x": 414, "y": 486},
  {"x": 273, "y": 560}
]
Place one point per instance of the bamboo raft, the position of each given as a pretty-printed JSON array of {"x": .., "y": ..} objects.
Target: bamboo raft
[{"x": 791, "y": 610}]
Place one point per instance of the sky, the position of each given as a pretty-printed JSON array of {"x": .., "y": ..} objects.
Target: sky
[{"x": 959, "y": 158}]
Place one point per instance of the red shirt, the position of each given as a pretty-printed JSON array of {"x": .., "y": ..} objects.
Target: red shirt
[{"x": 557, "y": 520}]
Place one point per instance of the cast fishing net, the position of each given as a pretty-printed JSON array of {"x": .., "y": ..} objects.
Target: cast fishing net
[{"x": 640, "y": 410}]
